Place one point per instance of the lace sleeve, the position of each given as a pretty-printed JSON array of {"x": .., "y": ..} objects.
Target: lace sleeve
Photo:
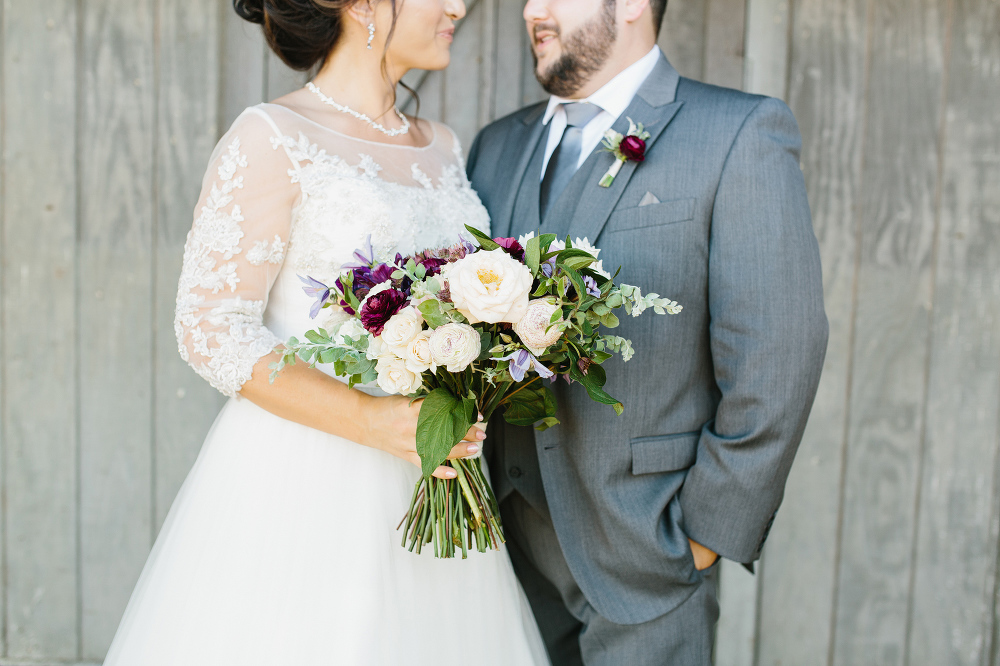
[{"x": 233, "y": 254}]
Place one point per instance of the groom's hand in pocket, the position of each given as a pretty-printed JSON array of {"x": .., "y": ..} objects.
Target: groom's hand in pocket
[{"x": 703, "y": 557}]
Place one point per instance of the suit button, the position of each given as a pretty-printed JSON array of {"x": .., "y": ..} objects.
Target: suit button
[{"x": 514, "y": 472}]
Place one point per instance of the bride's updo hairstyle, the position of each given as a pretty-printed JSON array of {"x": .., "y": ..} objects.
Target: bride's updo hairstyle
[{"x": 301, "y": 32}]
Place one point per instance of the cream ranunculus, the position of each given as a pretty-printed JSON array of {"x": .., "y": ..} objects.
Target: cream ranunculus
[
  {"x": 532, "y": 326},
  {"x": 395, "y": 378},
  {"x": 455, "y": 346},
  {"x": 417, "y": 353},
  {"x": 402, "y": 327},
  {"x": 489, "y": 286}
]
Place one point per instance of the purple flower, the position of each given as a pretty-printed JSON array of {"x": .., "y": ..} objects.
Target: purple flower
[
  {"x": 364, "y": 260},
  {"x": 431, "y": 264},
  {"x": 591, "y": 285},
  {"x": 548, "y": 267},
  {"x": 365, "y": 278},
  {"x": 319, "y": 291},
  {"x": 513, "y": 248},
  {"x": 521, "y": 361},
  {"x": 633, "y": 148},
  {"x": 380, "y": 308}
]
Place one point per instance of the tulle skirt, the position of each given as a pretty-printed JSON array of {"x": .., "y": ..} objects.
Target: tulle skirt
[{"x": 281, "y": 548}]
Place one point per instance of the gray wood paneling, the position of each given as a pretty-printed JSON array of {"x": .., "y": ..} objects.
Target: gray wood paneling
[
  {"x": 116, "y": 160},
  {"x": 39, "y": 357},
  {"x": 955, "y": 554},
  {"x": 187, "y": 127},
  {"x": 892, "y": 327},
  {"x": 885, "y": 550},
  {"x": 827, "y": 94}
]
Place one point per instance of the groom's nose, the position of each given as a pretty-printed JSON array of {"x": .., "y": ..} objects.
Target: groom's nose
[{"x": 536, "y": 11}]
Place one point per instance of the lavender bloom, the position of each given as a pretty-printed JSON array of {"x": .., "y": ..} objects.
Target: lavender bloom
[
  {"x": 364, "y": 260},
  {"x": 521, "y": 361},
  {"x": 318, "y": 290},
  {"x": 548, "y": 267},
  {"x": 591, "y": 285}
]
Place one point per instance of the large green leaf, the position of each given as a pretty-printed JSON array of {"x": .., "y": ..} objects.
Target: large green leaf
[
  {"x": 443, "y": 422},
  {"x": 532, "y": 253},
  {"x": 594, "y": 382},
  {"x": 485, "y": 241},
  {"x": 528, "y": 406}
]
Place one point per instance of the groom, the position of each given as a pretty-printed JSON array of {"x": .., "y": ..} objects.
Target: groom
[{"x": 615, "y": 524}]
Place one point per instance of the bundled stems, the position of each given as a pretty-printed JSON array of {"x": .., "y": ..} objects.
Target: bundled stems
[{"x": 451, "y": 513}]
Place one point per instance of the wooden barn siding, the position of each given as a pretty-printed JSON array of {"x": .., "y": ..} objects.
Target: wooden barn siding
[{"x": 885, "y": 551}]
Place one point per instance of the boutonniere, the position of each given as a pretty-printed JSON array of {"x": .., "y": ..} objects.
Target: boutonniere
[{"x": 631, "y": 147}]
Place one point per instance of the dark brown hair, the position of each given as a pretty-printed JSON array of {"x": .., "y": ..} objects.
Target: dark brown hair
[
  {"x": 659, "y": 8},
  {"x": 303, "y": 32}
]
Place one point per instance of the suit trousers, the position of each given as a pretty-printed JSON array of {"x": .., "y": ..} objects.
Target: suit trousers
[{"x": 574, "y": 633}]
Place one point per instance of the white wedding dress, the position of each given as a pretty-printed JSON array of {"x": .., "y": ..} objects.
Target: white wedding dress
[{"x": 281, "y": 546}]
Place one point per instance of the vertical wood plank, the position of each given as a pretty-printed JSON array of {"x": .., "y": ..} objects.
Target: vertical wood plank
[
  {"x": 281, "y": 79},
  {"x": 243, "y": 66},
  {"x": 39, "y": 329},
  {"x": 827, "y": 95},
  {"x": 463, "y": 76},
  {"x": 956, "y": 547},
  {"x": 487, "y": 64},
  {"x": 725, "y": 27},
  {"x": 736, "y": 631},
  {"x": 3, "y": 379},
  {"x": 682, "y": 37},
  {"x": 888, "y": 390},
  {"x": 510, "y": 57},
  {"x": 766, "y": 62},
  {"x": 115, "y": 250},
  {"x": 184, "y": 404}
]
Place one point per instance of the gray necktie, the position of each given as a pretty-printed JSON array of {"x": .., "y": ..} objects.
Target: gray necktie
[{"x": 562, "y": 164}]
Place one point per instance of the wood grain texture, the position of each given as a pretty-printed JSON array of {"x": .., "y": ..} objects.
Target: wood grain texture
[
  {"x": 767, "y": 37},
  {"x": 116, "y": 341},
  {"x": 827, "y": 95},
  {"x": 188, "y": 101},
  {"x": 244, "y": 66},
  {"x": 889, "y": 383},
  {"x": 682, "y": 36},
  {"x": 955, "y": 556},
  {"x": 281, "y": 79},
  {"x": 39, "y": 329},
  {"x": 510, "y": 57},
  {"x": 463, "y": 79},
  {"x": 725, "y": 26}
]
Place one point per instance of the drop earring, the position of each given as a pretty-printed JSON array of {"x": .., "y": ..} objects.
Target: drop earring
[{"x": 371, "y": 35}]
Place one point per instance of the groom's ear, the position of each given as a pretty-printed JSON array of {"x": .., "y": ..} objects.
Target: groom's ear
[{"x": 633, "y": 10}]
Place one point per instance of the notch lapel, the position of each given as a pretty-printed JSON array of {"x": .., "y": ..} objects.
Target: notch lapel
[
  {"x": 526, "y": 141},
  {"x": 654, "y": 106}
]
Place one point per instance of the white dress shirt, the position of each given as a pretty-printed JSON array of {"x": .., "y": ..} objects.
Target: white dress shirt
[{"x": 613, "y": 98}]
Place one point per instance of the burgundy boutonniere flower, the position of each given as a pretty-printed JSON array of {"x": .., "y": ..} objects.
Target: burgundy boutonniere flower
[{"x": 630, "y": 147}]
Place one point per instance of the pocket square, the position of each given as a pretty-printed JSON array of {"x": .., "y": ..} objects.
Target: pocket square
[{"x": 648, "y": 199}]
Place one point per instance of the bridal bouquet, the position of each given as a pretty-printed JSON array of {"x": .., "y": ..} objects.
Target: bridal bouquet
[{"x": 468, "y": 329}]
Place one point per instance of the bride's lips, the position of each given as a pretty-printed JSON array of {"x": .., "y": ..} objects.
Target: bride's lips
[{"x": 448, "y": 34}]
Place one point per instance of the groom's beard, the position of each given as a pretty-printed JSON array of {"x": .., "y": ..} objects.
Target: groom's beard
[{"x": 584, "y": 52}]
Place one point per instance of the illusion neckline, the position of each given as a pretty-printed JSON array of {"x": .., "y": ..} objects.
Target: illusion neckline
[{"x": 434, "y": 132}]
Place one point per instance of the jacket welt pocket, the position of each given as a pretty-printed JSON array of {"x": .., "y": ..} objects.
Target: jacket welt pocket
[
  {"x": 664, "y": 453},
  {"x": 653, "y": 215}
]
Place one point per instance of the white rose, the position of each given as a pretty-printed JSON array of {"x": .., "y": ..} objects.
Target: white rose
[
  {"x": 402, "y": 327},
  {"x": 455, "y": 346},
  {"x": 377, "y": 348},
  {"x": 489, "y": 286},
  {"x": 417, "y": 353},
  {"x": 532, "y": 326},
  {"x": 352, "y": 329},
  {"x": 395, "y": 378}
]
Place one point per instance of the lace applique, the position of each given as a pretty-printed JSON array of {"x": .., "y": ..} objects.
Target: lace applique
[
  {"x": 262, "y": 253},
  {"x": 421, "y": 177},
  {"x": 236, "y": 338}
]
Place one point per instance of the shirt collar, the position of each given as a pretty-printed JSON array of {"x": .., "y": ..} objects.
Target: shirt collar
[{"x": 615, "y": 95}]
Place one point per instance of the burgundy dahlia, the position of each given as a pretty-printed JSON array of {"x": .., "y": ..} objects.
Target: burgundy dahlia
[
  {"x": 513, "y": 248},
  {"x": 431, "y": 264},
  {"x": 380, "y": 308},
  {"x": 633, "y": 148}
]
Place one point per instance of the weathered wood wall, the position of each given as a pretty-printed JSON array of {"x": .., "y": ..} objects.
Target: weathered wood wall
[{"x": 886, "y": 549}]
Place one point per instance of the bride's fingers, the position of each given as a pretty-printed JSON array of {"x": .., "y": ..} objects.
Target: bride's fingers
[
  {"x": 445, "y": 473},
  {"x": 477, "y": 433},
  {"x": 465, "y": 449}
]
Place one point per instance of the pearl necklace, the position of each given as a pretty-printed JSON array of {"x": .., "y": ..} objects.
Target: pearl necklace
[{"x": 360, "y": 116}]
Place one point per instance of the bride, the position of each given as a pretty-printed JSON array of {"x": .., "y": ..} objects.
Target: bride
[{"x": 281, "y": 545}]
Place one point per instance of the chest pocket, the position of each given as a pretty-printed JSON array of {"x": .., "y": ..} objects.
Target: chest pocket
[{"x": 653, "y": 215}]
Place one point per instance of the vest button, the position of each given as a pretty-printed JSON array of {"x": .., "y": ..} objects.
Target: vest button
[{"x": 514, "y": 472}]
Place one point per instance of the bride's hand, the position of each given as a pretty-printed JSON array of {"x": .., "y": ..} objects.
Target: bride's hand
[{"x": 392, "y": 427}]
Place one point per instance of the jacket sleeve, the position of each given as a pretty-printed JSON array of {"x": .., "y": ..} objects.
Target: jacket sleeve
[{"x": 768, "y": 337}]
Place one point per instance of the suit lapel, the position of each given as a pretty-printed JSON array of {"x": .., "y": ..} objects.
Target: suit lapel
[
  {"x": 519, "y": 150},
  {"x": 654, "y": 106}
]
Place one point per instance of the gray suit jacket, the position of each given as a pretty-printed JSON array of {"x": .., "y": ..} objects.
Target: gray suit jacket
[{"x": 717, "y": 397}]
